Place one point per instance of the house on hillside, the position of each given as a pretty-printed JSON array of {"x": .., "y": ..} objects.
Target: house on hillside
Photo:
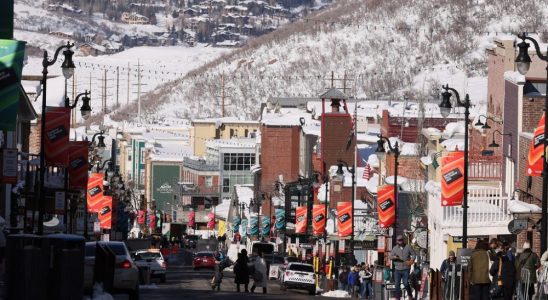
[
  {"x": 92, "y": 49},
  {"x": 134, "y": 18},
  {"x": 112, "y": 47},
  {"x": 62, "y": 34}
]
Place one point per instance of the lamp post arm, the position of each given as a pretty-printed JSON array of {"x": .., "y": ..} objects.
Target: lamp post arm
[
  {"x": 523, "y": 36},
  {"x": 67, "y": 101},
  {"x": 95, "y": 135},
  {"x": 46, "y": 63},
  {"x": 395, "y": 148}
]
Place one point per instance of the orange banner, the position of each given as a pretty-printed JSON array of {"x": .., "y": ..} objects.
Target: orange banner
[
  {"x": 57, "y": 136},
  {"x": 318, "y": 219},
  {"x": 95, "y": 192},
  {"x": 344, "y": 218},
  {"x": 452, "y": 182},
  {"x": 78, "y": 165},
  {"x": 105, "y": 212},
  {"x": 534, "y": 159},
  {"x": 386, "y": 205},
  {"x": 300, "y": 219}
]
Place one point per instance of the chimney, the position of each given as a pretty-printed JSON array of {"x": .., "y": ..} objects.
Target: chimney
[{"x": 335, "y": 105}]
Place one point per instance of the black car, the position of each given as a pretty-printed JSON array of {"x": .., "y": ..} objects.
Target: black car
[{"x": 190, "y": 241}]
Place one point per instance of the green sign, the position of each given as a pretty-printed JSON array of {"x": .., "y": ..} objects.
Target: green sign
[
  {"x": 12, "y": 54},
  {"x": 164, "y": 180}
]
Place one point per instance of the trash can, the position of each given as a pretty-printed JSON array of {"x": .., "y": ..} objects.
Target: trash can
[
  {"x": 104, "y": 266},
  {"x": 65, "y": 276},
  {"x": 26, "y": 266},
  {"x": 144, "y": 275}
]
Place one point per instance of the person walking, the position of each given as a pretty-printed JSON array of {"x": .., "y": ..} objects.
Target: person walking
[
  {"x": 217, "y": 277},
  {"x": 403, "y": 257},
  {"x": 241, "y": 271},
  {"x": 366, "y": 278},
  {"x": 478, "y": 269},
  {"x": 446, "y": 270},
  {"x": 259, "y": 275},
  {"x": 353, "y": 281},
  {"x": 529, "y": 261},
  {"x": 503, "y": 272},
  {"x": 343, "y": 278}
]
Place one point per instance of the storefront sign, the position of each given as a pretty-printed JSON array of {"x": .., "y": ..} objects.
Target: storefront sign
[
  {"x": 344, "y": 218},
  {"x": 9, "y": 166}
]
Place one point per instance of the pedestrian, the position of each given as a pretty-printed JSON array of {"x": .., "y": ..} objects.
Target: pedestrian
[
  {"x": 217, "y": 277},
  {"x": 366, "y": 278},
  {"x": 241, "y": 271},
  {"x": 504, "y": 274},
  {"x": 343, "y": 278},
  {"x": 479, "y": 272},
  {"x": 494, "y": 246},
  {"x": 259, "y": 275},
  {"x": 353, "y": 281},
  {"x": 403, "y": 257},
  {"x": 527, "y": 262},
  {"x": 509, "y": 251},
  {"x": 414, "y": 279},
  {"x": 447, "y": 268}
]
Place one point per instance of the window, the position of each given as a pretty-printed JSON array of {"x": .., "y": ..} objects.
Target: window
[
  {"x": 246, "y": 132},
  {"x": 128, "y": 154},
  {"x": 226, "y": 185},
  {"x": 141, "y": 177},
  {"x": 238, "y": 161},
  {"x": 209, "y": 181},
  {"x": 301, "y": 268},
  {"x": 142, "y": 158}
]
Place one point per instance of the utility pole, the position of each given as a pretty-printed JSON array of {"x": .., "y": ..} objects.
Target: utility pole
[
  {"x": 117, "y": 86},
  {"x": 139, "y": 90},
  {"x": 128, "y": 71},
  {"x": 73, "y": 111},
  {"x": 223, "y": 94}
]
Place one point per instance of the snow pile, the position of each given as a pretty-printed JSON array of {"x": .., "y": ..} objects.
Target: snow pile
[
  {"x": 520, "y": 207},
  {"x": 336, "y": 294}
]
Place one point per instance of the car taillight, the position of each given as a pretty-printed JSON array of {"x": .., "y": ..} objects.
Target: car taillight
[
  {"x": 163, "y": 264},
  {"x": 126, "y": 264}
]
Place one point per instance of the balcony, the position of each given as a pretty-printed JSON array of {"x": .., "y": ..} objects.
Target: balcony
[
  {"x": 199, "y": 165},
  {"x": 485, "y": 168}
]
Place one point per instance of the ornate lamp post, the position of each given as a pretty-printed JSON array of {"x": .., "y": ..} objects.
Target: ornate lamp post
[
  {"x": 68, "y": 70},
  {"x": 396, "y": 151},
  {"x": 523, "y": 62},
  {"x": 445, "y": 109}
]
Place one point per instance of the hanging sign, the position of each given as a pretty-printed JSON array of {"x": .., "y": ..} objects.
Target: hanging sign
[
  {"x": 105, "y": 213},
  {"x": 265, "y": 225},
  {"x": 78, "y": 165},
  {"x": 57, "y": 136},
  {"x": 254, "y": 225},
  {"x": 280, "y": 218},
  {"x": 95, "y": 192},
  {"x": 386, "y": 206},
  {"x": 318, "y": 219},
  {"x": 300, "y": 219},
  {"x": 8, "y": 166},
  {"x": 452, "y": 182},
  {"x": 344, "y": 218},
  {"x": 210, "y": 221},
  {"x": 536, "y": 149},
  {"x": 341, "y": 246}
]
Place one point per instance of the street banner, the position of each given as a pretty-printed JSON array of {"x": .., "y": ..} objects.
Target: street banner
[
  {"x": 222, "y": 227},
  {"x": 243, "y": 227},
  {"x": 191, "y": 219},
  {"x": 386, "y": 205},
  {"x": 318, "y": 219},
  {"x": 452, "y": 182},
  {"x": 105, "y": 214},
  {"x": 140, "y": 217},
  {"x": 536, "y": 149},
  {"x": 12, "y": 54},
  {"x": 210, "y": 221},
  {"x": 236, "y": 221},
  {"x": 344, "y": 218},
  {"x": 152, "y": 220},
  {"x": 265, "y": 225},
  {"x": 78, "y": 165},
  {"x": 57, "y": 136},
  {"x": 95, "y": 192},
  {"x": 8, "y": 166},
  {"x": 301, "y": 219},
  {"x": 280, "y": 218},
  {"x": 254, "y": 225}
]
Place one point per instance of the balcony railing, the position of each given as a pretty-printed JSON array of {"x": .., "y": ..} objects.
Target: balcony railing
[
  {"x": 199, "y": 165},
  {"x": 485, "y": 168}
]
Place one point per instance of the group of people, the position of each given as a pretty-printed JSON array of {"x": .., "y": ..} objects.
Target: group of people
[
  {"x": 243, "y": 270},
  {"x": 495, "y": 272},
  {"x": 358, "y": 281}
]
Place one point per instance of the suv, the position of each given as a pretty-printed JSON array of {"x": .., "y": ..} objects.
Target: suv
[
  {"x": 299, "y": 276},
  {"x": 153, "y": 259},
  {"x": 126, "y": 273}
]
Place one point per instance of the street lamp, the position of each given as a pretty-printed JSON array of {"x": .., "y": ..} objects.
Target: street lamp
[
  {"x": 445, "y": 108},
  {"x": 85, "y": 109},
  {"x": 523, "y": 62},
  {"x": 68, "y": 70},
  {"x": 340, "y": 173},
  {"x": 396, "y": 151},
  {"x": 485, "y": 125},
  {"x": 493, "y": 143}
]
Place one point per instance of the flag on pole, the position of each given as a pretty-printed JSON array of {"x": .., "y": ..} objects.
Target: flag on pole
[{"x": 367, "y": 172}]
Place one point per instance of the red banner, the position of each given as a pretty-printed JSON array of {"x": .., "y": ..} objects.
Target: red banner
[
  {"x": 141, "y": 217},
  {"x": 210, "y": 221},
  {"x": 57, "y": 136},
  {"x": 105, "y": 213},
  {"x": 95, "y": 192},
  {"x": 536, "y": 149},
  {"x": 452, "y": 182},
  {"x": 78, "y": 165},
  {"x": 386, "y": 205},
  {"x": 191, "y": 219},
  {"x": 344, "y": 218},
  {"x": 318, "y": 219},
  {"x": 300, "y": 219}
]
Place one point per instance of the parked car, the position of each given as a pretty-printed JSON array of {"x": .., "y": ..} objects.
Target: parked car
[
  {"x": 153, "y": 259},
  {"x": 126, "y": 273},
  {"x": 299, "y": 276},
  {"x": 273, "y": 264},
  {"x": 203, "y": 260},
  {"x": 190, "y": 241}
]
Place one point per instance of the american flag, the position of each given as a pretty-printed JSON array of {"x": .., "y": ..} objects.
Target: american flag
[{"x": 367, "y": 172}]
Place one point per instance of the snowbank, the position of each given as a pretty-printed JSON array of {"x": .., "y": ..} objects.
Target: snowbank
[{"x": 337, "y": 294}]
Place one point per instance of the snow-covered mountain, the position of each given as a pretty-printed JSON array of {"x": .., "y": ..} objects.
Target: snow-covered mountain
[{"x": 386, "y": 48}]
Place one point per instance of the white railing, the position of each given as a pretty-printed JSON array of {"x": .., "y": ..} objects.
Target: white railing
[{"x": 486, "y": 205}]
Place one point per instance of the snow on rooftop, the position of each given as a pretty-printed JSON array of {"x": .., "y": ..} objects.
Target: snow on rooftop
[
  {"x": 514, "y": 77},
  {"x": 232, "y": 143},
  {"x": 520, "y": 207},
  {"x": 285, "y": 117},
  {"x": 244, "y": 194}
]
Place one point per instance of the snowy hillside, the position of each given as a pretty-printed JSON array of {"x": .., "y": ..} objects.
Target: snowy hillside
[{"x": 386, "y": 48}]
